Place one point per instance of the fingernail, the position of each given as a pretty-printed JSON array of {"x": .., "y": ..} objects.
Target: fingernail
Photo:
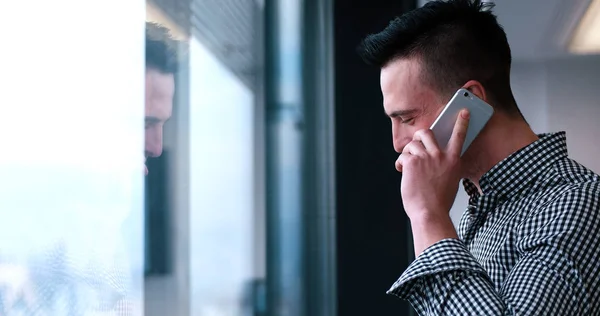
[{"x": 465, "y": 114}]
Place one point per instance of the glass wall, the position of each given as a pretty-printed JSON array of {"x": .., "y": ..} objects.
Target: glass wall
[
  {"x": 138, "y": 159},
  {"x": 71, "y": 180},
  {"x": 212, "y": 236}
]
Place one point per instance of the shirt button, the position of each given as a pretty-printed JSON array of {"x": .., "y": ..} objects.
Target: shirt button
[{"x": 455, "y": 276}]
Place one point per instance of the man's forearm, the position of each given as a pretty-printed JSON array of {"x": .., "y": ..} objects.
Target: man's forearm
[
  {"x": 447, "y": 280},
  {"x": 427, "y": 231}
]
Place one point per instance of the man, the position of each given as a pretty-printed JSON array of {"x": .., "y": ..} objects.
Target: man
[
  {"x": 161, "y": 66},
  {"x": 528, "y": 243}
]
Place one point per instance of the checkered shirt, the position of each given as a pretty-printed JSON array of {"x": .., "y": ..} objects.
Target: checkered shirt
[{"x": 528, "y": 245}]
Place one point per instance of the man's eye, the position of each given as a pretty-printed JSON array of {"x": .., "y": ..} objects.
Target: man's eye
[{"x": 407, "y": 121}]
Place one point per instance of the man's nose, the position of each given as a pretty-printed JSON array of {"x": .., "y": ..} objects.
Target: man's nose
[
  {"x": 399, "y": 144},
  {"x": 399, "y": 139},
  {"x": 153, "y": 150},
  {"x": 154, "y": 144}
]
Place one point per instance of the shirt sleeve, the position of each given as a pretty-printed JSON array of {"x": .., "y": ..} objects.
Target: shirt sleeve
[{"x": 556, "y": 273}]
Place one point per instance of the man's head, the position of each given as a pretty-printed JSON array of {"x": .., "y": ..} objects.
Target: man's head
[
  {"x": 427, "y": 54},
  {"x": 161, "y": 66}
]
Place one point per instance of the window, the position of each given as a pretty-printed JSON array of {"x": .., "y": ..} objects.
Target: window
[{"x": 83, "y": 231}]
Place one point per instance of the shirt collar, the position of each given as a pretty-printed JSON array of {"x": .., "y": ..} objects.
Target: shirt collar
[{"x": 516, "y": 172}]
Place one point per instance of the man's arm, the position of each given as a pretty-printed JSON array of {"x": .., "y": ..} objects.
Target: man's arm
[{"x": 557, "y": 271}]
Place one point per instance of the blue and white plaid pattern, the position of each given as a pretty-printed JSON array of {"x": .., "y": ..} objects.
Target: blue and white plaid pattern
[{"x": 529, "y": 244}]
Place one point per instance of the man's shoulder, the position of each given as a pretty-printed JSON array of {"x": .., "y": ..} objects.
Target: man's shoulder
[
  {"x": 568, "y": 194},
  {"x": 567, "y": 215},
  {"x": 576, "y": 174},
  {"x": 563, "y": 178},
  {"x": 572, "y": 186}
]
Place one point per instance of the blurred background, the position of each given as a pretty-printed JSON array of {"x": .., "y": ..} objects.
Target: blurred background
[{"x": 275, "y": 193}]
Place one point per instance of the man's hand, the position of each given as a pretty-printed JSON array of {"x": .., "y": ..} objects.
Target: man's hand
[{"x": 430, "y": 178}]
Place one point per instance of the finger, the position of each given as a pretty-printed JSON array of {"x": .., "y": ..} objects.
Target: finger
[
  {"x": 426, "y": 137},
  {"x": 459, "y": 133},
  {"x": 400, "y": 161},
  {"x": 415, "y": 148}
]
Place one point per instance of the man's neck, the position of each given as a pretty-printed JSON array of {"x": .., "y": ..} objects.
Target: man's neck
[{"x": 501, "y": 137}]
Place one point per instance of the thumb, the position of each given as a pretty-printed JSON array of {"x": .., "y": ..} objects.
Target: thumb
[
  {"x": 398, "y": 164},
  {"x": 459, "y": 133}
]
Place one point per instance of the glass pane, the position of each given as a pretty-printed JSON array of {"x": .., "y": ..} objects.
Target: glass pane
[
  {"x": 71, "y": 193},
  {"x": 213, "y": 236},
  {"x": 85, "y": 105},
  {"x": 221, "y": 216}
]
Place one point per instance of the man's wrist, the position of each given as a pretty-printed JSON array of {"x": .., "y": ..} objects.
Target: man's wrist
[{"x": 429, "y": 229}]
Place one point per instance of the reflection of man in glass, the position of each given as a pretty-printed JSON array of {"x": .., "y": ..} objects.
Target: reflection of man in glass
[
  {"x": 62, "y": 283},
  {"x": 161, "y": 65}
]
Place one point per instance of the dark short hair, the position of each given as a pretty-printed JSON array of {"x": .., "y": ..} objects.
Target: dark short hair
[
  {"x": 161, "y": 50},
  {"x": 455, "y": 41}
]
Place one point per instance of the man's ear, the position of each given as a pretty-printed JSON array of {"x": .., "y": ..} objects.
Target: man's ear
[{"x": 477, "y": 89}]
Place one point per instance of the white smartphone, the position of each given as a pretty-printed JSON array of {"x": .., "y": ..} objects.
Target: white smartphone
[{"x": 480, "y": 114}]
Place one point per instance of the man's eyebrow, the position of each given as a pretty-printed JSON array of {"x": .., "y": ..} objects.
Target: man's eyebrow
[
  {"x": 402, "y": 113},
  {"x": 152, "y": 119}
]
